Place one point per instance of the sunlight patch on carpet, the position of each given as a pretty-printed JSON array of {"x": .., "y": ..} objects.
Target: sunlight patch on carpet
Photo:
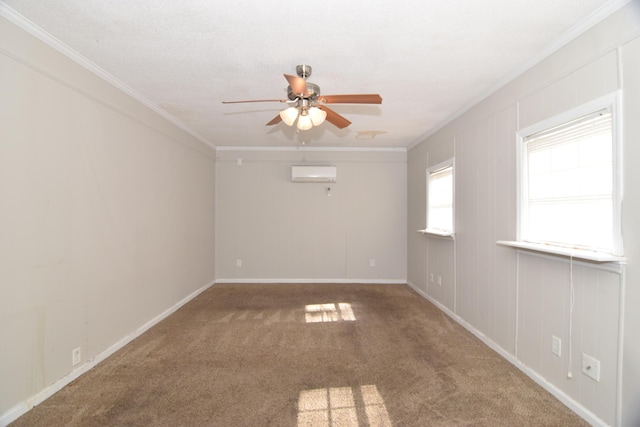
[
  {"x": 316, "y": 313},
  {"x": 342, "y": 406}
]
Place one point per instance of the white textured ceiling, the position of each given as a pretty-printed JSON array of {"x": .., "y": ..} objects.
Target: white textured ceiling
[{"x": 429, "y": 59}]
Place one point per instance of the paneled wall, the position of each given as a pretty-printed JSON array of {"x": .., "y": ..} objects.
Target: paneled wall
[
  {"x": 485, "y": 213},
  {"x": 441, "y": 271},
  {"x": 432, "y": 265},
  {"x": 516, "y": 300},
  {"x": 107, "y": 218},
  {"x": 271, "y": 229},
  {"x": 591, "y": 326},
  {"x": 630, "y": 56}
]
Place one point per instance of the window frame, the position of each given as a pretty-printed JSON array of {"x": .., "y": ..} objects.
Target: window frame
[
  {"x": 611, "y": 102},
  {"x": 449, "y": 163}
]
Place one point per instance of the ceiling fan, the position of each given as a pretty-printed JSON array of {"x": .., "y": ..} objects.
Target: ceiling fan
[{"x": 309, "y": 107}]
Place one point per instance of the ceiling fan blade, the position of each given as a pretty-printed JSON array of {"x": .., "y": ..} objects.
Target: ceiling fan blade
[
  {"x": 298, "y": 85},
  {"x": 256, "y": 100},
  {"x": 334, "y": 118},
  {"x": 372, "y": 98},
  {"x": 277, "y": 119}
]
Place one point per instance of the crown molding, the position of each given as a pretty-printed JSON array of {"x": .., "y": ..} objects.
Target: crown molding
[
  {"x": 42, "y": 35},
  {"x": 581, "y": 27}
]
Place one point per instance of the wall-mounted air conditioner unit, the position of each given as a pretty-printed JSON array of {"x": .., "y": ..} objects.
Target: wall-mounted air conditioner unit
[{"x": 313, "y": 173}]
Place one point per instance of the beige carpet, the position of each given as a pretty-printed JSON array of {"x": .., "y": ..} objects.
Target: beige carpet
[{"x": 304, "y": 355}]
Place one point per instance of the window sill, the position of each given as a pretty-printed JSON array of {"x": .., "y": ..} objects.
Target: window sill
[
  {"x": 438, "y": 233},
  {"x": 567, "y": 252}
]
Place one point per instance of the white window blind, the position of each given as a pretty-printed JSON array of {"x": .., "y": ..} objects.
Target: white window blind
[
  {"x": 440, "y": 200},
  {"x": 568, "y": 184}
]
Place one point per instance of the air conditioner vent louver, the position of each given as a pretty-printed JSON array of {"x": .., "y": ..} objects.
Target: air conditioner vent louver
[{"x": 313, "y": 173}]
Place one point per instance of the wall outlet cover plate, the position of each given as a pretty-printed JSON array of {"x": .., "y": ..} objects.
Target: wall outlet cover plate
[{"x": 591, "y": 366}]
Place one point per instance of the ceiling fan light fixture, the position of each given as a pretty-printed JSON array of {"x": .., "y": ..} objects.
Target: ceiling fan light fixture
[
  {"x": 289, "y": 115},
  {"x": 304, "y": 122},
  {"x": 317, "y": 116}
]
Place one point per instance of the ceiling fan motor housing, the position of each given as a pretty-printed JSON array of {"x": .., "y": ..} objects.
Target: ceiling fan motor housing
[{"x": 312, "y": 89}]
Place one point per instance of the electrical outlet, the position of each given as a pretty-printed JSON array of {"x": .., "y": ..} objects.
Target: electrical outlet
[
  {"x": 556, "y": 346},
  {"x": 238, "y": 263},
  {"x": 431, "y": 277},
  {"x": 76, "y": 356},
  {"x": 591, "y": 367},
  {"x": 439, "y": 280},
  {"x": 372, "y": 262}
]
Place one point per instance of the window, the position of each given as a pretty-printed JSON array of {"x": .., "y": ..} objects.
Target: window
[
  {"x": 440, "y": 198},
  {"x": 568, "y": 184}
]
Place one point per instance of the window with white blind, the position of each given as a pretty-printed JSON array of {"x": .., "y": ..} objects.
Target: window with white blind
[
  {"x": 440, "y": 198},
  {"x": 568, "y": 185}
]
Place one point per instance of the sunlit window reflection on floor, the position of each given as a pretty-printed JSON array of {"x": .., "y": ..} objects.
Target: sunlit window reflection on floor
[
  {"x": 342, "y": 406},
  {"x": 315, "y": 313}
]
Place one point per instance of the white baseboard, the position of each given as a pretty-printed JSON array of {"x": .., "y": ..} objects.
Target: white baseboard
[
  {"x": 365, "y": 281},
  {"x": 576, "y": 407},
  {"x": 26, "y": 405}
]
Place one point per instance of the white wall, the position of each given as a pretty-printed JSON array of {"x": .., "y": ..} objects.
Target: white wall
[
  {"x": 106, "y": 218},
  {"x": 285, "y": 231},
  {"x": 630, "y": 55},
  {"x": 517, "y": 300}
]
